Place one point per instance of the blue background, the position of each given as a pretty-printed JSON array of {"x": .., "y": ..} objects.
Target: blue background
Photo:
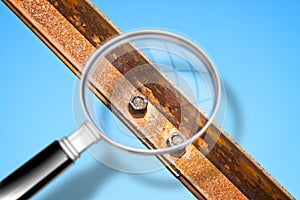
[{"x": 255, "y": 45}]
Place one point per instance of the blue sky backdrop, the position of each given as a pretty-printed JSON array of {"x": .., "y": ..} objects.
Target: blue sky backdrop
[{"x": 254, "y": 44}]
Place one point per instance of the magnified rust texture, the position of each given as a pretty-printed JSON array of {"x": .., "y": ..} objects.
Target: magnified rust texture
[{"x": 214, "y": 167}]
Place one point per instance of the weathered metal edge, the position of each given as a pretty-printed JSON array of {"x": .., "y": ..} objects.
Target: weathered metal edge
[{"x": 213, "y": 155}]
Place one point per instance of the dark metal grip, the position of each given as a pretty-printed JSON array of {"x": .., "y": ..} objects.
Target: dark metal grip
[{"x": 36, "y": 173}]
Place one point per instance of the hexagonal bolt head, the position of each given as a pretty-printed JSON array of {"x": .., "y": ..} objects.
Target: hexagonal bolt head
[
  {"x": 138, "y": 105},
  {"x": 175, "y": 139}
]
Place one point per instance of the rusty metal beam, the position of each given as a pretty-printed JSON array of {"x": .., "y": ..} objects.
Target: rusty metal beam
[{"x": 214, "y": 167}]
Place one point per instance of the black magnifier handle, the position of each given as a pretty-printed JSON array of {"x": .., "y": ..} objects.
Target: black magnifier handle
[
  {"x": 46, "y": 165},
  {"x": 36, "y": 173}
]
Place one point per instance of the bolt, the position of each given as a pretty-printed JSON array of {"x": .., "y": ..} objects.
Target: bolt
[
  {"x": 138, "y": 105},
  {"x": 176, "y": 139}
]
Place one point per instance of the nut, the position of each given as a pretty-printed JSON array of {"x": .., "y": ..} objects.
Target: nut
[
  {"x": 175, "y": 139},
  {"x": 138, "y": 105}
]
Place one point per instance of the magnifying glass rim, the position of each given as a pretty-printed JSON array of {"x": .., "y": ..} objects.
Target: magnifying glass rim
[{"x": 141, "y": 35}]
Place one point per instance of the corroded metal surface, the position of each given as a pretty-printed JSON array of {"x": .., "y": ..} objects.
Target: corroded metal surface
[{"x": 215, "y": 167}]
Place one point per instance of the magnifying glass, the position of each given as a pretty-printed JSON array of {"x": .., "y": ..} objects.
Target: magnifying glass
[{"x": 135, "y": 93}]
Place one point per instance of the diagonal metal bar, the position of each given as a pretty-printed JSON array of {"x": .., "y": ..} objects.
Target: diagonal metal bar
[{"x": 215, "y": 167}]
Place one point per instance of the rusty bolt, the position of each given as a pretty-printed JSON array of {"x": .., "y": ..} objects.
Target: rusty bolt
[
  {"x": 138, "y": 105},
  {"x": 175, "y": 139}
]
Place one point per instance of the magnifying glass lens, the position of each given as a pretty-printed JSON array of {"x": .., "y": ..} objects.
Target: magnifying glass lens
[{"x": 162, "y": 90}]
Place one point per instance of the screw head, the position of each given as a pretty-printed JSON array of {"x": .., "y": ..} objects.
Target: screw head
[
  {"x": 138, "y": 105},
  {"x": 175, "y": 139}
]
